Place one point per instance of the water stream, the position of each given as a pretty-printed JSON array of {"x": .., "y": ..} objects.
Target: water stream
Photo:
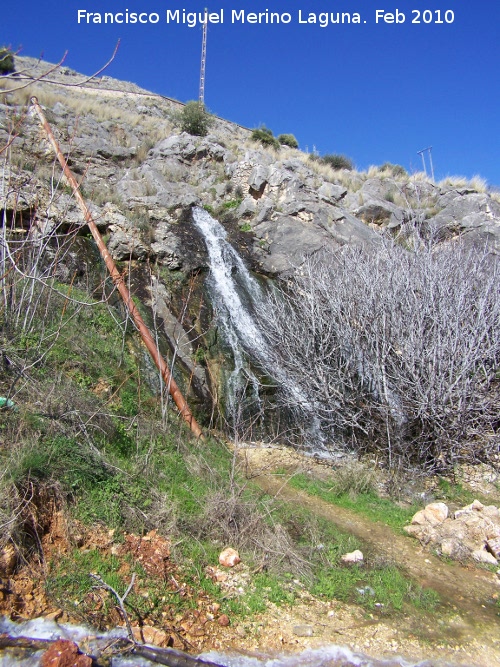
[
  {"x": 233, "y": 291},
  {"x": 235, "y": 295},
  {"x": 98, "y": 646}
]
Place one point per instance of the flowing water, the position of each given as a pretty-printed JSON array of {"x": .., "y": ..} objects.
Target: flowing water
[
  {"x": 236, "y": 295},
  {"x": 97, "y": 644},
  {"x": 233, "y": 291}
]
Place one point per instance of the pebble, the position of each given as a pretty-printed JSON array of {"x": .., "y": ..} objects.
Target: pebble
[{"x": 303, "y": 630}]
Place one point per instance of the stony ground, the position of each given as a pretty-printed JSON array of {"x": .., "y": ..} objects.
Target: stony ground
[{"x": 466, "y": 633}]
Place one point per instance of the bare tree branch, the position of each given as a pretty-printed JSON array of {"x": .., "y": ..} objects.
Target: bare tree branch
[
  {"x": 44, "y": 75},
  {"x": 120, "y": 599}
]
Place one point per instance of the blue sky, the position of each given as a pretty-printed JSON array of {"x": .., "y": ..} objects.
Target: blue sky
[{"x": 375, "y": 92}]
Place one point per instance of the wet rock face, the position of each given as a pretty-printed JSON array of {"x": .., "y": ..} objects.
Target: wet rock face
[{"x": 473, "y": 533}]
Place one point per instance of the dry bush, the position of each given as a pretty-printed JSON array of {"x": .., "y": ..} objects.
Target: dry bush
[
  {"x": 354, "y": 477},
  {"x": 234, "y": 516},
  {"x": 476, "y": 183},
  {"x": 421, "y": 176},
  {"x": 388, "y": 170},
  {"x": 239, "y": 520},
  {"x": 396, "y": 351}
]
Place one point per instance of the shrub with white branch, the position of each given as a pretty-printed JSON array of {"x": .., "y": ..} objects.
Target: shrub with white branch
[{"x": 398, "y": 351}]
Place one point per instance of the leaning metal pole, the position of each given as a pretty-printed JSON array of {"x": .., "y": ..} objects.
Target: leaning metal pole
[{"x": 146, "y": 335}]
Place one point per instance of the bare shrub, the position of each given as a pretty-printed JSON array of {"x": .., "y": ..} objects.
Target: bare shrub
[
  {"x": 397, "y": 351},
  {"x": 353, "y": 477},
  {"x": 238, "y": 519}
]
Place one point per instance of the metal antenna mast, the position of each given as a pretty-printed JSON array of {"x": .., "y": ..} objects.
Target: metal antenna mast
[
  {"x": 427, "y": 150},
  {"x": 203, "y": 59}
]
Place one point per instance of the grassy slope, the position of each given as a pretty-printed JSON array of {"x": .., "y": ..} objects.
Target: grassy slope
[{"x": 114, "y": 461}]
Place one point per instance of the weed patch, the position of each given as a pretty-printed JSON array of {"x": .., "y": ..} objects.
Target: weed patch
[
  {"x": 384, "y": 588},
  {"x": 69, "y": 584}
]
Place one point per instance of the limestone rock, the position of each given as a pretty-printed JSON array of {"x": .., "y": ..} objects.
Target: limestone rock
[
  {"x": 229, "y": 557},
  {"x": 375, "y": 211},
  {"x": 331, "y": 193},
  {"x": 433, "y": 514},
  {"x": 353, "y": 557},
  {"x": 289, "y": 240},
  {"x": 473, "y": 532},
  {"x": 258, "y": 180},
  {"x": 483, "y": 556},
  {"x": 450, "y": 547},
  {"x": 247, "y": 208},
  {"x": 475, "y": 215},
  {"x": 494, "y": 546},
  {"x": 188, "y": 147},
  {"x": 126, "y": 246}
]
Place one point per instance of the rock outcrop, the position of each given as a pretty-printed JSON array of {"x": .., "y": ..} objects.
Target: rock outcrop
[
  {"x": 141, "y": 178},
  {"x": 472, "y": 533}
]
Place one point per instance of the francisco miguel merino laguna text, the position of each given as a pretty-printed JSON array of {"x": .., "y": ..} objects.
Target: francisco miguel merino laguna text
[{"x": 192, "y": 19}]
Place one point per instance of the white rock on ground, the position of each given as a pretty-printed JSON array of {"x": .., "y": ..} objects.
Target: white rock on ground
[{"x": 353, "y": 557}]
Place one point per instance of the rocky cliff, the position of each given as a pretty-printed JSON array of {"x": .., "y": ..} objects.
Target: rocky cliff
[{"x": 142, "y": 177}]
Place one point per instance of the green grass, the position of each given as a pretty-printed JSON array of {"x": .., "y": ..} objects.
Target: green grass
[
  {"x": 368, "y": 504},
  {"x": 233, "y": 203},
  {"x": 265, "y": 588},
  {"x": 454, "y": 492},
  {"x": 70, "y": 585},
  {"x": 384, "y": 588}
]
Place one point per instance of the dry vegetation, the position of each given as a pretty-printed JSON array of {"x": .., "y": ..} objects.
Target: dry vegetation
[{"x": 397, "y": 352}]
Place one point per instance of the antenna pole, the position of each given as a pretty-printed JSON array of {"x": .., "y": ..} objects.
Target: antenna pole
[
  {"x": 421, "y": 153},
  {"x": 203, "y": 59},
  {"x": 430, "y": 160},
  {"x": 427, "y": 150}
]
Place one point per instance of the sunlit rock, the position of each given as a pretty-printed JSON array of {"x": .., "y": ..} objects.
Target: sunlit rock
[
  {"x": 229, "y": 557},
  {"x": 353, "y": 557}
]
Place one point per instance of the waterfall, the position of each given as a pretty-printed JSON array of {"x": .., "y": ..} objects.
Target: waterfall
[
  {"x": 235, "y": 293},
  {"x": 232, "y": 283}
]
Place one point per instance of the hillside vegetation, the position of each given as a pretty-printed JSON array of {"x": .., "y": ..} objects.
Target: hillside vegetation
[{"x": 385, "y": 310}]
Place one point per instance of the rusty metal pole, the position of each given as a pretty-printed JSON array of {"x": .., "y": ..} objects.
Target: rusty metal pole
[{"x": 146, "y": 335}]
